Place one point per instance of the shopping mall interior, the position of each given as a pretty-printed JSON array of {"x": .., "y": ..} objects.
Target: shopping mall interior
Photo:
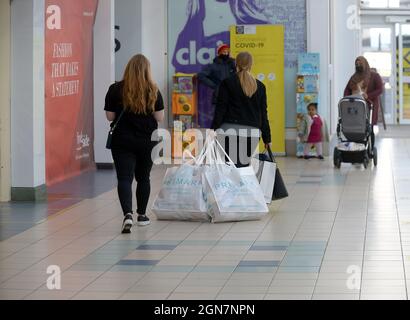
[{"x": 343, "y": 232}]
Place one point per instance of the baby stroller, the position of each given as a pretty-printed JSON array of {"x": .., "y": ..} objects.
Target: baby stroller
[{"x": 354, "y": 132}]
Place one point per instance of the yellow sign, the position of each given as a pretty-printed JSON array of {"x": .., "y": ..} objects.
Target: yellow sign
[
  {"x": 266, "y": 43},
  {"x": 406, "y": 83}
]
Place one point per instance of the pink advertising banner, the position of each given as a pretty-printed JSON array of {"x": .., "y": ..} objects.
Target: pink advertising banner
[{"x": 69, "y": 87}]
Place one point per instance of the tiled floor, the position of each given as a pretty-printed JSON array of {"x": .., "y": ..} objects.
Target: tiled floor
[
  {"x": 18, "y": 217},
  {"x": 342, "y": 234}
]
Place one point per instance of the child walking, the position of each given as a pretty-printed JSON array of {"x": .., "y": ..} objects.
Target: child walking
[{"x": 315, "y": 138}]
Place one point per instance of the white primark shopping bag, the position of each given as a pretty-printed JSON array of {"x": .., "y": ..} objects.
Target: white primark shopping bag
[
  {"x": 265, "y": 171},
  {"x": 232, "y": 194},
  {"x": 181, "y": 197}
]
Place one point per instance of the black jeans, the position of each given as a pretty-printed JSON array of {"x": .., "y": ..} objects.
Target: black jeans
[{"x": 133, "y": 161}]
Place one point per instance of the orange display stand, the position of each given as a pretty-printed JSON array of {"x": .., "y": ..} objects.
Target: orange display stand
[
  {"x": 184, "y": 112},
  {"x": 183, "y": 104}
]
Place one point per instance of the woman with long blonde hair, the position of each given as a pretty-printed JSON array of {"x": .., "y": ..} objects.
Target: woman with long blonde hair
[
  {"x": 241, "y": 112},
  {"x": 135, "y": 106}
]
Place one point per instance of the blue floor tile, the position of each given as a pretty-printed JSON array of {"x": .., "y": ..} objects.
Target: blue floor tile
[
  {"x": 259, "y": 263},
  {"x": 123, "y": 268},
  {"x": 256, "y": 269},
  {"x": 216, "y": 269},
  {"x": 159, "y": 247},
  {"x": 272, "y": 243},
  {"x": 176, "y": 269},
  {"x": 138, "y": 262},
  {"x": 268, "y": 248},
  {"x": 308, "y": 245},
  {"x": 229, "y": 243}
]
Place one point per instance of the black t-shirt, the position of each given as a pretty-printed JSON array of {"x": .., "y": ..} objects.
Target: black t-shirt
[{"x": 139, "y": 125}]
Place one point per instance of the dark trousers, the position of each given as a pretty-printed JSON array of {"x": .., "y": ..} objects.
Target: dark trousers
[
  {"x": 240, "y": 149},
  {"x": 134, "y": 161}
]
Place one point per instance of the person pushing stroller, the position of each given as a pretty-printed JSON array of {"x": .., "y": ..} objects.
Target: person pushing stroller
[
  {"x": 357, "y": 117},
  {"x": 369, "y": 85}
]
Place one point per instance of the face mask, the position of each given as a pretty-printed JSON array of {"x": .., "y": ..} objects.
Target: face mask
[{"x": 224, "y": 57}]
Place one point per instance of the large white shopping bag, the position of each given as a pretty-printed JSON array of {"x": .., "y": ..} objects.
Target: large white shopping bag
[
  {"x": 232, "y": 194},
  {"x": 181, "y": 197},
  {"x": 265, "y": 171}
]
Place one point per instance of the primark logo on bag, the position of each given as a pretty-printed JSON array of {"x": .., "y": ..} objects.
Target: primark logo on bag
[
  {"x": 233, "y": 187},
  {"x": 182, "y": 182}
]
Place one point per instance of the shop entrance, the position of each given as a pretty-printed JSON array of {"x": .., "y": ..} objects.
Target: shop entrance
[
  {"x": 403, "y": 72},
  {"x": 378, "y": 46},
  {"x": 385, "y": 42}
]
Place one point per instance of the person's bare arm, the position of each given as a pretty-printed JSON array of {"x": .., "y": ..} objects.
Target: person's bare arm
[
  {"x": 110, "y": 115},
  {"x": 159, "y": 115}
]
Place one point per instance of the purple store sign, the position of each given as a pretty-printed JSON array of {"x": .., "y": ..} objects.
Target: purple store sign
[{"x": 194, "y": 49}]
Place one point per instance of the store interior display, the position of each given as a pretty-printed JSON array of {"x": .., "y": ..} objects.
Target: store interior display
[
  {"x": 184, "y": 113},
  {"x": 307, "y": 92}
]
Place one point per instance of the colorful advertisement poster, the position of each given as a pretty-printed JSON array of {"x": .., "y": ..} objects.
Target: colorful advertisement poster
[
  {"x": 197, "y": 42},
  {"x": 197, "y": 27},
  {"x": 309, "y": 64},
  {"x": 307, "y": 83},
  {"x": 307, "y": 88},
  {"x": 266, "y": 44},
  {"x": 69, "y": 87}
]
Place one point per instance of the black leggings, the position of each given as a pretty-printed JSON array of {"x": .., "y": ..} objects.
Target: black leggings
[{"x": 134, "y": 161}]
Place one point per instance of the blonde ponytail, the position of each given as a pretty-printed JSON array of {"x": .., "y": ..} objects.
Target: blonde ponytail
[{"x": 248, "y": 82}]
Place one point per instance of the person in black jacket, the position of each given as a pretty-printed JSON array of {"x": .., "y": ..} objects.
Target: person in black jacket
[
  {"x": 242, "y": 113},
  {"x": 223, "y": 67},
  {"x": 136, "y": 105}
]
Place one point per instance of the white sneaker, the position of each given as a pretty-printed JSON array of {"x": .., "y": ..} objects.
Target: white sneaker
[
  {"x": 127, "y": 224},
  {"x": 143, "y": 221}
]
